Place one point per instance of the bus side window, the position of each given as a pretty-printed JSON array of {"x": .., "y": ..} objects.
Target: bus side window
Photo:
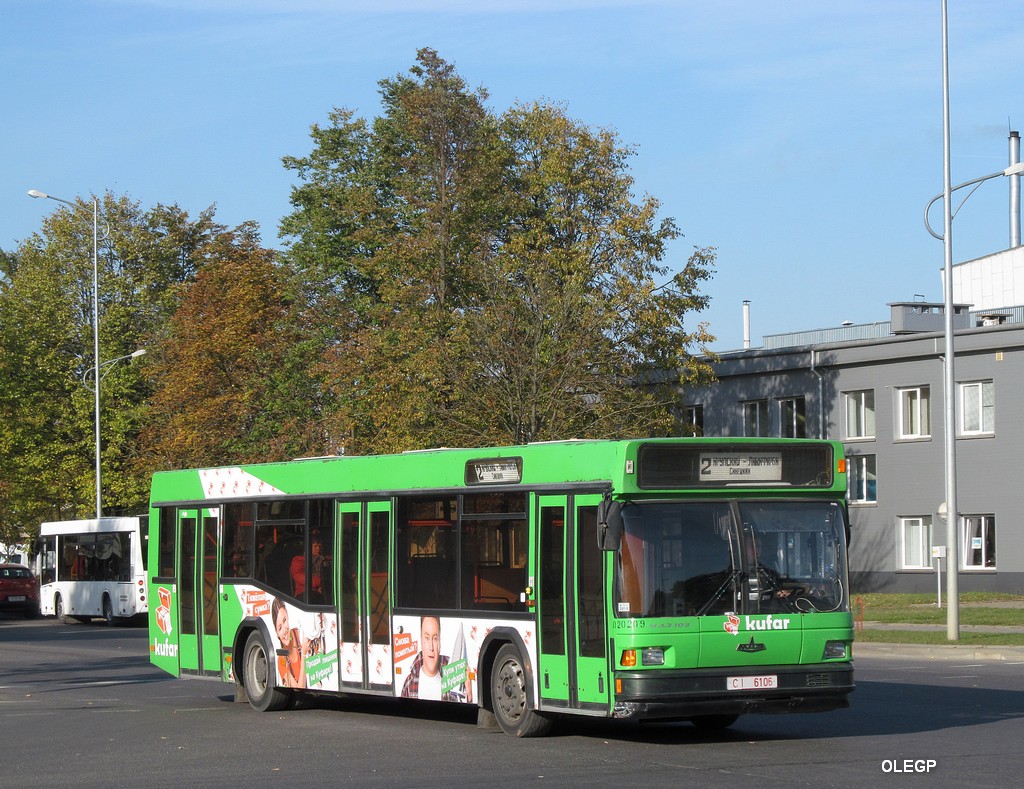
[
  {"x": 492, "y": 574},
  {"x": 425, "y": 547},
  {"x": 237, "y": 541},
  {"x": 165, "y": 548}
]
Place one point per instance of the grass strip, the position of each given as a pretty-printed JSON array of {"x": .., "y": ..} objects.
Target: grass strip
[{"x": 937, "y": 637}]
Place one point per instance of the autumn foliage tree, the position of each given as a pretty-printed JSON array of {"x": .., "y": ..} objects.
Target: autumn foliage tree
[{"x": 231, "y": 381}]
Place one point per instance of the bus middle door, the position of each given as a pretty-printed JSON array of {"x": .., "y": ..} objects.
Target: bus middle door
[
  {"x": 198, "y": 614},
  {"x": 365, "y": 589}
]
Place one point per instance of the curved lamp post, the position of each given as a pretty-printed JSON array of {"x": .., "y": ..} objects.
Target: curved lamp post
[
  {"x": 105, "y": 366},
  {"x": 1015, "y": 169}
]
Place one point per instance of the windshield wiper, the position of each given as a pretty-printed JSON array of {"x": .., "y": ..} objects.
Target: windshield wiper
[{"x": 729, "y": 581}]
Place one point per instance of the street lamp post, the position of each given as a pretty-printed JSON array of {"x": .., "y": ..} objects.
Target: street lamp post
[
  {"x": 949, "y": 377},
  {"x": 95, "y": 322}
]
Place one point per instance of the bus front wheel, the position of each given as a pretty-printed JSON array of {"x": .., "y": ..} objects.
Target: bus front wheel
[
  {"x": 58, "y": 610},
  {"x": 259, "y": 675},
  {"x": 108, "y": 611},
  {"x": 509, "y": 699}
]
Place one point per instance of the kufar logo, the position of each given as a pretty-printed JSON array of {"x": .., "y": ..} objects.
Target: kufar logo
[{"x": 732, "y": 623}]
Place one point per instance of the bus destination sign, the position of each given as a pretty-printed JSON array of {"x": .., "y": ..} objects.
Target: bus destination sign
[
  {"x": 494, "y": 472},
  {"x": 740, "y": 466}
]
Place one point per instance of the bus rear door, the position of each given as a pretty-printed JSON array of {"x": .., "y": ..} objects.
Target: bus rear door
[{"x": 198, "y": 616}]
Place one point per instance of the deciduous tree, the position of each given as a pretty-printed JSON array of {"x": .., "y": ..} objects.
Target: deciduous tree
[
  {"x": 490, "y": 279},
  {"x": 231, "y": 378}
]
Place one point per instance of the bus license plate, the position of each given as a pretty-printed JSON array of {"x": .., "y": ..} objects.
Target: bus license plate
[{"x": 765, "y": 682}]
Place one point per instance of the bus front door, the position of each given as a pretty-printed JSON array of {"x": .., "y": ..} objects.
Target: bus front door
[
  {"x": 198, "y": 615},
  {"x": 365, "y": 590},
  {"x": 573, "y": 669}
]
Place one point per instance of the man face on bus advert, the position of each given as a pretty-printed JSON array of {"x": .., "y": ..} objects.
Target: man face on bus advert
[{"x": 430, "y": 644}]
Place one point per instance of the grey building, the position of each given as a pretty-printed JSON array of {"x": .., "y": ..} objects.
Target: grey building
[{"x": 878, "y": 388}]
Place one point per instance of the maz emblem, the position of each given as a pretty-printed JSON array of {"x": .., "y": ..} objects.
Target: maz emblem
[{"x": 751, "y": 646}]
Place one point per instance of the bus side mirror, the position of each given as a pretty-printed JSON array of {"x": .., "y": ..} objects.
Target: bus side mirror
[{"x": 609, "y": 524}]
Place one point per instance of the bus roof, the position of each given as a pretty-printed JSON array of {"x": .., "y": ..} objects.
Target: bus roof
[
  {"x": 89, "y": 526},
  {"x": 592, "y": 463}
]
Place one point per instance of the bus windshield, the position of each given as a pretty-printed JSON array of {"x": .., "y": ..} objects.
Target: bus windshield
[{"x": 714, "y": 557}]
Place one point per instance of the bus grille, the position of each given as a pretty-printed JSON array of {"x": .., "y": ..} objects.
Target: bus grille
[{"x": 819, "y": 680}]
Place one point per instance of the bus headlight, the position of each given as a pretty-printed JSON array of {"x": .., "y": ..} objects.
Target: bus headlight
[
  {"x": 834, "y": 650},
  {"x": 653, "y": 656}
]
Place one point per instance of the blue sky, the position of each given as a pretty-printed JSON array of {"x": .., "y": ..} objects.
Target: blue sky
[{"x": 801, "y": 138}]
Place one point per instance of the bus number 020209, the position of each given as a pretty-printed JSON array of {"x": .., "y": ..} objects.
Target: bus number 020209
[{"x": 764, "y": 682}]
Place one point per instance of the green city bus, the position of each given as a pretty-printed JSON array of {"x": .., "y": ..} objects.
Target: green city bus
[{"x": 665, "y": 579}]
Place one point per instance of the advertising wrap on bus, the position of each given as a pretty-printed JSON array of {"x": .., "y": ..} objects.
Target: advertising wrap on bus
[
  {"x": 430, "y": 657},
  {"x": 675, "y": 579}
]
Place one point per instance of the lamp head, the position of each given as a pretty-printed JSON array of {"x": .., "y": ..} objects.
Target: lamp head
[{"x": 36, "y": 193}]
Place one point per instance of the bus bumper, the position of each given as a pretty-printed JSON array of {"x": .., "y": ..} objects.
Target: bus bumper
[{"x": 677, "y": 695}]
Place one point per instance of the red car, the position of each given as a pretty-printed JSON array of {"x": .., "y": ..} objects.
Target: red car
[{"x": 19, "y": 590}]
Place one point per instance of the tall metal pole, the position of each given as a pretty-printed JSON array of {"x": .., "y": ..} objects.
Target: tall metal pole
[
  {"x": 949, "y": 380},
  {"x": 95, "y": 323},
  {"x": 96, "y": 341}
]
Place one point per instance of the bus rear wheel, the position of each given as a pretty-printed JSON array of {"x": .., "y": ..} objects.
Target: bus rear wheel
[
  {"x": 259, "y": 674},
  {"x": 108, "y": 611},
  {"x": 509, "y": 699}
]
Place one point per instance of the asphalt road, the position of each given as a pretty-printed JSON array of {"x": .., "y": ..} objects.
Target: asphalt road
[{"x": 81, "y": 706}]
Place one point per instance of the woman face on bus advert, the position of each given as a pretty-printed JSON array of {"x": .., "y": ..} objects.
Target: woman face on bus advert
[{"x": 281, "y": 624}]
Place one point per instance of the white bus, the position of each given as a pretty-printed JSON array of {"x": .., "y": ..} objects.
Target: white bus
[{"x": 91, "y": 568}]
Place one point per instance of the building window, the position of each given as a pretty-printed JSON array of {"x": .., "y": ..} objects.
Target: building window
[
  {"x": 793, "y": 417},
  {"x": 755, "y": 418},
  {"x": 914, "y": 413},
  {"x": 916, "y": 542},
  {"x": 860, "y": 414},
  {"x": 693, "y": 420},
  {"x": 862, "y": 482},
  {"x": 977, "y": 408},
  {"x": 978, "y": 543}
]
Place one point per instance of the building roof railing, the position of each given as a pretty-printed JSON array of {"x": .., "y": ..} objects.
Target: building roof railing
[{"x": 882, "y": 329}]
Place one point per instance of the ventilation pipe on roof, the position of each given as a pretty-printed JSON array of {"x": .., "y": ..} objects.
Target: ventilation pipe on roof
[
  {"x": 746, "y": 324},
  {"x": 1014, "y": 191}
]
